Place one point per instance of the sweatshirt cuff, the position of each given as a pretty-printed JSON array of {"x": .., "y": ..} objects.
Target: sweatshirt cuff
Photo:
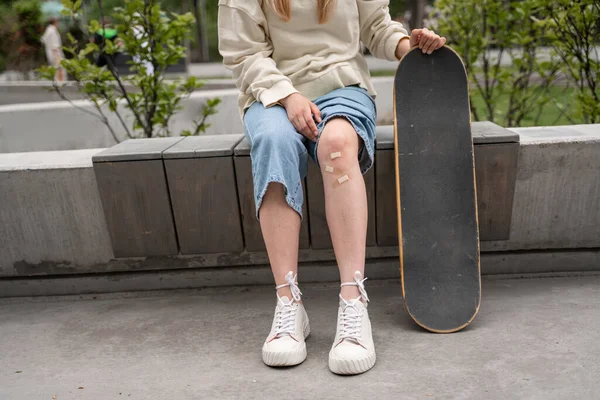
[
  {"x": 392, "y": 44},
  {"x": 282, "y": 89}
]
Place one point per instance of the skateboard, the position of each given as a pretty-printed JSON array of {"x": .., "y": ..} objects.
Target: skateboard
[{"x": 435, "y": 191}]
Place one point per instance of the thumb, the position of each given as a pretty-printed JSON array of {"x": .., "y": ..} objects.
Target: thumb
[{"x": 316, "y": 112}]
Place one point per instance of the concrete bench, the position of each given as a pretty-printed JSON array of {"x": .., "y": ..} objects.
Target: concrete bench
[
  {"x": 194, "y": 195},
  {"x": 55, "y": 236}
]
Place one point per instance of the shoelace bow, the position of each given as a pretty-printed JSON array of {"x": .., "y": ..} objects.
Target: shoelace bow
[
  {"x": 351, "y": 323},
  {"x": 285, "y": 316}
]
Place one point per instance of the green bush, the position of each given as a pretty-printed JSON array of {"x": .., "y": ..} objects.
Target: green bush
[
  {"x": 5, "y": 16},
  {"x": 20, "y": 32},
  {"x": 574, "y": 28},
  {"x": 485, "y": 31}
]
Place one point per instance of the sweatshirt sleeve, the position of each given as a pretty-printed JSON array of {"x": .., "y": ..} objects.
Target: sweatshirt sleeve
[
  {"x": 247, "y": 51},
  {"x": 377, "y": 30}
]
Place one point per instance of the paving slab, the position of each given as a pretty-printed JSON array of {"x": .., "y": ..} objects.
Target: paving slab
[{"x": 533, "y": 339}]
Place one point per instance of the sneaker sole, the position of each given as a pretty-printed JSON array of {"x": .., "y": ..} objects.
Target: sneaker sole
[
  {"x": 289, "y": 358},
  {"x": 352, "y": 367}
]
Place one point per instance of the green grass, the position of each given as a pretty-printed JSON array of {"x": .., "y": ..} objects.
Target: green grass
[{"x": 550, "y": 113}]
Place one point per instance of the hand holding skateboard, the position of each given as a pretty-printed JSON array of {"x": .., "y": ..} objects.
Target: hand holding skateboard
[{"x": 424, "y": 39}]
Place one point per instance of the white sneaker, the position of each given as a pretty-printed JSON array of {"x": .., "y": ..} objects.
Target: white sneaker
[
  {"x": 285, "y": 344},
  {"x": 353, "y": 350}
]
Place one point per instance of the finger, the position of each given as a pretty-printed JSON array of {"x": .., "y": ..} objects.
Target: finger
[
  {"x": 310, "y": 123},
  {"x": 294, "y": 121},
  {"x": 427, "y": 40},
  {"x": 297, "y": 124},
  {"x": 316, "y": 112},
  {"x": 429, "y": 45},
  {"x": 423, "y": 37},
  {"x": 303, "y": 129},
  {"x": 307, "y": 133},
  {"x": 443, "y": 42},
  {"x": 437, "y": 44},
  {"x": 415, "y": 37}
]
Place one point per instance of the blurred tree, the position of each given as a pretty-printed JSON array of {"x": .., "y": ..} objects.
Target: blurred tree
[
  {"x": 417, "y": 12},
  {"x": 487, "y": 32},
  {"x": 20, "y": 33},
  {"x": 574, "y": 31},
  {"x": 154, "y": 42},
  {"x": 199, "y": 7}
]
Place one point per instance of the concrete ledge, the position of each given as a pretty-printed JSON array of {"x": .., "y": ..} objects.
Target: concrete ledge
[
  {"x": 50, "y": 212},
  {"x": 53, "y": 223},
  {"x": 557, "y": 193}
]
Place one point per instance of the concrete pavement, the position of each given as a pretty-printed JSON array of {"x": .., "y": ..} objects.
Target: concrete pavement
[{"x": 533, "y": 339}]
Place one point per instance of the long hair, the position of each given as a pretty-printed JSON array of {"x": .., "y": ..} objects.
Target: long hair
[{"x": 283, "y": 9}]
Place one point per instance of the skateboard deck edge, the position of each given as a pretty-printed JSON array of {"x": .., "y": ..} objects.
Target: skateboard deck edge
[{"x": 399, "y": 211}]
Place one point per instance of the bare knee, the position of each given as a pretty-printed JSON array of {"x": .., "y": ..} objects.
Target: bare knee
[{"x": 338, "y": 145}]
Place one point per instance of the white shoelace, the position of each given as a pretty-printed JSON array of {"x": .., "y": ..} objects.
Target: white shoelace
[
  {"x": 351, "y": 318},
  {"x": 285, "y": 316},
  {"x": 290, "y": 280},
  {"x": 361, "y": 285},
  {"x": 350, "y": 323}
]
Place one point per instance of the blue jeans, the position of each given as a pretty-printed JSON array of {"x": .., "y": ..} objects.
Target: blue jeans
[{"x": 280, "y": 154}]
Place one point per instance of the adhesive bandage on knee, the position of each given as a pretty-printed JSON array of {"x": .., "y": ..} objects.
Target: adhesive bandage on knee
[
  {"x": 328, "y": 168},
  {"x": 335, "y": 155},
  {"x": 343, "y": 179}
]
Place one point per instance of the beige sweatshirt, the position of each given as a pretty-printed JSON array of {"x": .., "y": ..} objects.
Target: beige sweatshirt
[{"x": 271, "y": 59}]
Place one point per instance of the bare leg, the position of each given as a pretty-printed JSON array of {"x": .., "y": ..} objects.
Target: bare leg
[
  {"x": 60, "y": 75},
  {"x": 345, "y": 202},
  {"x": 280, "y": 226}
]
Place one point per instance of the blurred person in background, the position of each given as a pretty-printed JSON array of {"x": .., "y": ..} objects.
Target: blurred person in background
[
  {"x": 106, "y": 32},
  {"x": 53, "y": 44}
]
